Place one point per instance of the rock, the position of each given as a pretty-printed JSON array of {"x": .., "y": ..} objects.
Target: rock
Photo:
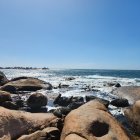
[
  {"x": 9, "y": 88},
  {"x": 89, "y": 98},
  {"x": 117, "y": 85},
  {"x": 4, "y": 96},
  {"x": 78, "y": 99},
  {"x": 131, "y": 93},
  {"x": 20, "y": 103},
  {"x": 3, "y": 79},
  {"x": 75, "y": 105},
  {"x": 63, "y": 101},
  {"x": 109, "y": 84},
  {"x": 28, "y": 84},
  {"x": 17, "y": 123},
  {"x": 92, "y": 122},
  {"x": 103, "y": 101},
  {"x": 19, "y": 78},
  {"x": 10, "y": 105},
  {"x": 63, "y": 86},
  {"x": 37, "y": 100},
  {"x": 133, "y": 115},
  {"x": 120, "y": 103},
  {"x": 60, "y": 112},
  {"x": 49, "y": 133},
  {"x": 70, "y": 78}
]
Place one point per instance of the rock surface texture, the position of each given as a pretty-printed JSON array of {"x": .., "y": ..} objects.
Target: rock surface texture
[
  {"x": 92, "y": 122},
  {"x": 13, "y": 124},
  {"x": 133, "y": 115}
]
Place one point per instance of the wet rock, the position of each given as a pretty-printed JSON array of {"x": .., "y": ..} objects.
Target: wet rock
[
  {"x": 89, "y": 98},
  {"x": 60, "y": 112},
  {"x": 92, "y": 122},
  {"x": 70, "y": 79},
  {"x": 75, "y": 105},
  {"x": 133, "y": 115},
  {"x": 10, "y": 105},
  {"x": 109, "y": 84},
  {"x": 131, "y": 93},
  {"x": 120, "y": 103},
  {"x": 28, "y": 84},
  {"x": 16, "y": 123},
  {"x": 78, "y": 99},
  {"x": 20, "y": 103},
  {"x": 9, "y": 88},
  {"x": 63, "y": 101},
  {"x": 49, "y": 133},
  {"x": 103, "y": 101},
  {"x": 63, "y": 86},
  {"x": 4, "y": 96},
  {"x": 117, "y": 85},
  {"x": 3, "y": 79},
  {"x": 37, "y": 100}
]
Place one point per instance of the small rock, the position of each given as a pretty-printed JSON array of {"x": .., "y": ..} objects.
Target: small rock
[
  {"x": 9, "y": 88},
  {"x": 10, "y": 105},
  {"x": 70, "y": 78},
  {"x": 5, "y": 96},
  {"x": 63, "y": 111},
  {"x": 75, "y": 105},
  {"x": 120, "y": 103},
  {"x": 117, "y": 85},
  {"x": 37, "y": 100},
  {"x": 63, "y": 101}
]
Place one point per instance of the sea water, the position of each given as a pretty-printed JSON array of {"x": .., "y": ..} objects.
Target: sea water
[{"x": 94, "y": 79}]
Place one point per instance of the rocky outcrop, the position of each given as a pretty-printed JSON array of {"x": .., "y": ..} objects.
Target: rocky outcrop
[
  {"x": 4, "y": 96},
  {"x": 49, "y": 133},
  {"x": 3, "y": 79},
  {"x": 92, "y": 122},
  {"x": 16, "y": 123},
  {"x": 37, "y": 100},
  {"x": 27, "y": 84},
  {"x": 133, "y": 115},
  {"x": 131, "y": 93}
]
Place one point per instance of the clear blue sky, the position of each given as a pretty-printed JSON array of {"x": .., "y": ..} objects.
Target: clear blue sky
[{"x": 70, "y": 33}]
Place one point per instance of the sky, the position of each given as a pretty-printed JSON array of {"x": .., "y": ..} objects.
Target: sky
[{"x": 98, "y": 34}]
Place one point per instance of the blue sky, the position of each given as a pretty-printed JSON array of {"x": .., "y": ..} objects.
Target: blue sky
[{"x": 70, "y": 33}]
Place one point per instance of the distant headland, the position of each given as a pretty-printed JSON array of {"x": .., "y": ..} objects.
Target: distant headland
[{"x": 25, "y": 68}]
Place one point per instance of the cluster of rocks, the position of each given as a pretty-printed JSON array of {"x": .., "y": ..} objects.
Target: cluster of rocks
[{"x": 74, "y": 118}]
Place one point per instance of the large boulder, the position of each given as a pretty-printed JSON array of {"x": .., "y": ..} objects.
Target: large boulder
[
  {"x": 133, "y": 115},
  {"x": 17, "y": 123},
  {"x": 27, "y": 84},
  {"x": 4, "y": 96},
  {"x": 3, "y": 79},
  {"x": 92, "y": 122},
  {"x": 131, "y": 93},
  {"x": 37, "y": 100},
  {"x": 49, "y": 133}
]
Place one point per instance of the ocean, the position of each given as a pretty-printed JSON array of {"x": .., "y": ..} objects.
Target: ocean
[{"x": 94, "y": 79}]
